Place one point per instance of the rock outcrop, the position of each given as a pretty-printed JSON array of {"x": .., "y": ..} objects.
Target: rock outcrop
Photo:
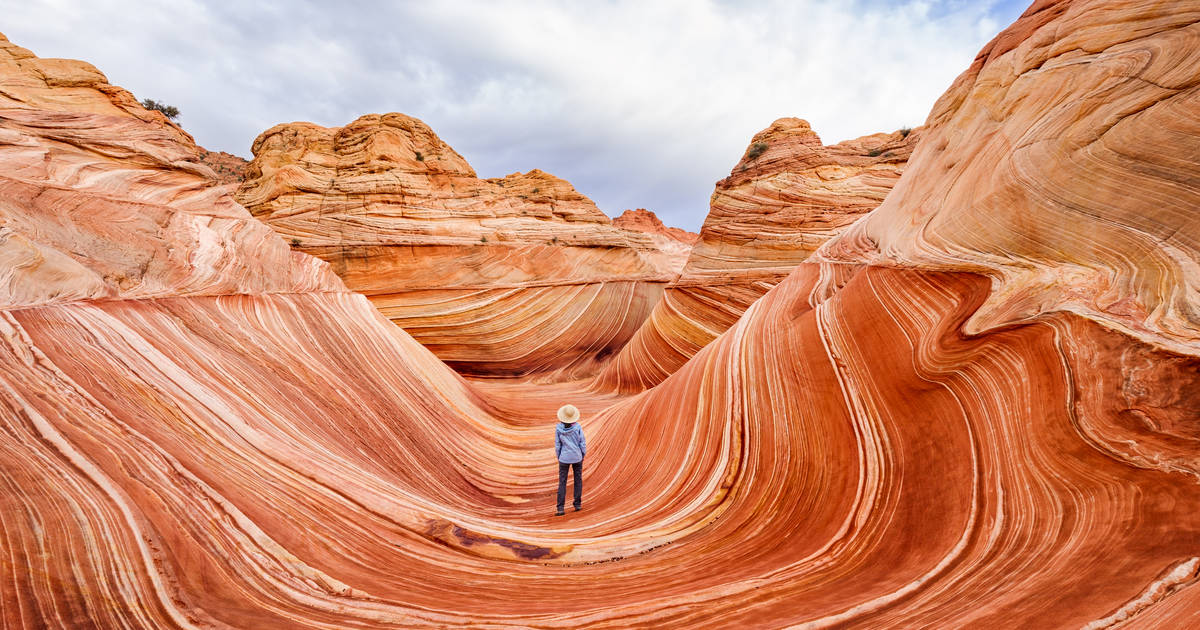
[
  {"x": 1051, "y": 153},
  {"x": 499, "y": 277},
  {"x": 230, "y": 169},
  {"x": 102, "y": 199},
  {"x": 643, "y": 220},
  {"x": 227, "y": 437},
  {"x": 785, "y": 197}
]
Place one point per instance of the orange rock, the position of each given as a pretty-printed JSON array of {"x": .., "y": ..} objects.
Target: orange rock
[
  {"x": 787, "y": 196},
  {"x": 233, "y": 440},
  {"x": 1062, "y": 165},
  {"x": 504, "y": 276},
  {"x": 643, "y": 220},
  {"x": 230, "y": 169},
  {"x": 104, "y": 199}
]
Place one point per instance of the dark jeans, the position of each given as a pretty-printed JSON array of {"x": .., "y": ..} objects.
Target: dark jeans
[{"x": 562, "y": 484}]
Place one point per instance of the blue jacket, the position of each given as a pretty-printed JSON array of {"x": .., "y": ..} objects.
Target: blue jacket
[{"x": 569, "y": 444}]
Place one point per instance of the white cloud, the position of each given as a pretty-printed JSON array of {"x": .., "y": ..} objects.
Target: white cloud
[{"x": 639, "y": 104}]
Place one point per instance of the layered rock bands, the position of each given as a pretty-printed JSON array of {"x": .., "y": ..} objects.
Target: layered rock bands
[
  {"x": 499, "y": 277},
  {"x": 787, "y": 196},
  {"x": 957, "y": 413}
]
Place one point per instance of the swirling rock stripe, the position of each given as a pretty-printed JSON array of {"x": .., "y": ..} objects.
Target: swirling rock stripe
[
  {"x": 768, "y": 482},
  {"x": 564, "y": 329},
  {"x": 1064, "y": 165},
  {"x": 777, "y": 206},
  {"x": 686, "y": 319},
  {"x": 395, "y": 210}
]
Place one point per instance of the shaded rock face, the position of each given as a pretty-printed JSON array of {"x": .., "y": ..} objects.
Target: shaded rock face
[
  {"x": 500, "y": 277},
  {"x": 235, "y": 440},
  {"x": 785, "y": 197}
]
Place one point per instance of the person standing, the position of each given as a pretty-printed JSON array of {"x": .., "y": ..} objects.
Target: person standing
[{"x": 569, "y": 447}]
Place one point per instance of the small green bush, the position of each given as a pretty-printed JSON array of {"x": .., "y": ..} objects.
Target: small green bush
[
  {"x": 295, "y": 242},
  {"x": 875, "y": 152},
  {"x": 170, "y": 111},
  {"x": 756, "y": 149},
  {"x": 904, "y": 131},
  {"x": 420, "y": 158},
  {"x": 482, "y": 239}
]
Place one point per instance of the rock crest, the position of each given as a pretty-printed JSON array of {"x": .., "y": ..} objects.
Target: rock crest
[{"x": 499, "y": 277}]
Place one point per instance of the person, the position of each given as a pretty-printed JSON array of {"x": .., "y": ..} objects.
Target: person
[{"x": 569, "y": 447}]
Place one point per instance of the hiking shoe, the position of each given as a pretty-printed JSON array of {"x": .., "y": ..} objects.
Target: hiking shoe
[
  {"x": 559, "y": 513},
  {"x": 578, "y": 507}
]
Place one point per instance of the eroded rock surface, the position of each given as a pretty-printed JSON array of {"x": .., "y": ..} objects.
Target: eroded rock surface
[
  {"x": 102, "y": 199},
  {"x": 235, "y": 440},
  {"x": 230, "y": 169},
  {"x": 643, "y": 220},
  {"x": 1065, "y": 170},
  {"x": 786, "y": 196},
  {"x": 499, "y": 277}
]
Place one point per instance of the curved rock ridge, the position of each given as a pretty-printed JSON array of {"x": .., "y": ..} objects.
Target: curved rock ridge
[
  {"x": 845, "y": 455},
  {"x": 102, "y": 199},
  {"x": 1063, "y": 165},
  {"x": 786, "y": 196},
  {"x": 296, "y": 461},
  {"x": 501, "y": 277}
]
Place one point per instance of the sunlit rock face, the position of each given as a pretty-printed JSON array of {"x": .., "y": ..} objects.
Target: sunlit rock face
[
  {"x": 235, "y": 440},
  {"x": 499, "y": 277},
  {"x": 102, "y": 199},
  {"x": 643, "y": 220},
  {"x": 1063, "y": 166},
  {"x": 229, "y": 168},
  {"x": 785, "y": 197}
]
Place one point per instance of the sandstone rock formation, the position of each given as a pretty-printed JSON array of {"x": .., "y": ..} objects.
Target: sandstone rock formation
[
  {"x": 230, "y": 169},
  {"x": 1052, "y": 151},
  {"x": 499, "y": 277},
  {"x": 787, "y": 196},
  {"x": 102, "y": 199},
  {"x": 643, "y": 220},
  {"x": 232, "y": 439},
  {"x": 670, "y": 240}
]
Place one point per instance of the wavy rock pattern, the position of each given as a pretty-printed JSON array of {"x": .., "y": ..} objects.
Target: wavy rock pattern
[
  {"x": 500, "y": 277},
  {"x": 193, "y": 450},
  {"x": 1065, "y": 163},
  {"x": 100, "y": 198},
  {"x": 787, "y": 196}
]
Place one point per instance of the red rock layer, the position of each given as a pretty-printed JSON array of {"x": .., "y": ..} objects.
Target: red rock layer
[
  {"x": 232, "y": 494},
  {"x": 643, "y": 220},
  {"x": 1063, "y": 165},
  {"x": 502, "y": 277},
  {"x": 787, "y": 196},
  {"x": 230, "y": 169},
  {"x": 845, "y": 455},
  {"x": 102, "y": 199}
]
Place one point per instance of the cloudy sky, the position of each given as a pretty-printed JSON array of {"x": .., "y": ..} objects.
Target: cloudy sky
[{"x": 638, "y": 104}]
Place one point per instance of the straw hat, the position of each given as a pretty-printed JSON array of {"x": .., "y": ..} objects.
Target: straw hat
[{"x": 568, "y": 414}]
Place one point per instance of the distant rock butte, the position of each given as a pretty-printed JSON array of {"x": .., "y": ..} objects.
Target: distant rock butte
[
  {"x": 643, "y": 220},
  {"x": 786, "y": 196},
  {"x": 230, "y": 169},
  {"x": 499, "y": 277}
]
